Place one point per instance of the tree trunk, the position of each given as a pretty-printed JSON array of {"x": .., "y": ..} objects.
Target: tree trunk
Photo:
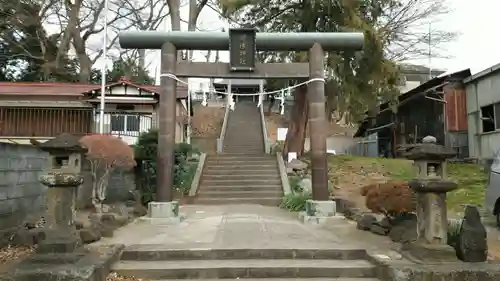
[
  {"x": 83, "y": 58},
  {"x": 194, "y": 12},
  {"x": 296, "y": 134},
  {"x": 142, "y": 58}
]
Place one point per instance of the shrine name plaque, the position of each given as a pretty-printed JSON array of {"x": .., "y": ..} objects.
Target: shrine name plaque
[{"x": 242, "y": 49}]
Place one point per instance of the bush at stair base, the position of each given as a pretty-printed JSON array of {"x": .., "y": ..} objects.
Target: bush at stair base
[
  {"x": 185, "y": 163},
  {"x": 295, "y": 202}
]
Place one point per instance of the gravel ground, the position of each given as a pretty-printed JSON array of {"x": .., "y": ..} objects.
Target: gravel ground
[
  {"x": 115, "y": 277},
  {"x": 12, "y": 253}
]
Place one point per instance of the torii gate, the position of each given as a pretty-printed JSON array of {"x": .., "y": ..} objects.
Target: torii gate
[{"x": 242, "y": 44}]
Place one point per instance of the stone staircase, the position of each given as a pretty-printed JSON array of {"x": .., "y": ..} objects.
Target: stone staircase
[
  {"x": 154, "y": 263},
  {"x": 244, "y": 130},
  {"x": 243, "y": 173}
]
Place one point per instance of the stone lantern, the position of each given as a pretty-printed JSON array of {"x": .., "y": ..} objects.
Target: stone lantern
[
  {"x": 62, "y": 178},
  {"x": 431, "y": 187}
]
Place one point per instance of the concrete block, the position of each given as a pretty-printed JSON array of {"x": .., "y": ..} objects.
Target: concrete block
[
  {"x": 319, "y": 212},
  {"x": 321, "y": 208},
  {"x": 163, "y": 213}
]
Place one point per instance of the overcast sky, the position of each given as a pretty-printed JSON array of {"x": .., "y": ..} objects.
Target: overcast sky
[{"x": 477, "y": 47}]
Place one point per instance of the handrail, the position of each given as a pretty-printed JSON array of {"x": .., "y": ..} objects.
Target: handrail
[
  {"x": 197, "y": 176},
  {"x": 267, "y": 146},
  {"x": 220, "y": 140}
]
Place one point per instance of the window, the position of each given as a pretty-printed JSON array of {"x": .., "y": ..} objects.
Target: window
[
  {"x": 132, "y": 124},
  {"x": 488, "y": 118},
  {"x": 125, "y": 123},
  {"x": 117, "y": 123},
  {"x": 497, "y": 116}
]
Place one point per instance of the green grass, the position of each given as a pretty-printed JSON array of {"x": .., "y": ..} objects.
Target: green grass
[{"x": 471, "y": 178}]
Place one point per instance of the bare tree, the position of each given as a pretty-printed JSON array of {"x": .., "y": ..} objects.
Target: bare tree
[
  {"x": 25, "y": 20},
  {"x": 405, "y": 29},
  {"x": 80, "y": 21},
  {"x": 153, "y": 13}
]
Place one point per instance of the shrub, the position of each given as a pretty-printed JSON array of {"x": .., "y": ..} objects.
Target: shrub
[
  {"x": 295, "y": 202},
  {"x": 105, "y": 154},
  {"x": 294, "y": 181},
  {"x": 146, "y": 151},
  {"x": 391, "y": 199},
  {"x": 277, "y": 147}
]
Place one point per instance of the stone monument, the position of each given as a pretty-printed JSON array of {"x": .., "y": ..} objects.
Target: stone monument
[
  {"x": 472, "y": 239},
  {"x": 431, "y": 187},
  {"x": 62, "y": 179}
]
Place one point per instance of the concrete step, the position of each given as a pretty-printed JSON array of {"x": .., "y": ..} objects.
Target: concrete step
[
  {"x": 239, "y": 194},
  {"x": 208, "y": 176},
  {"x": 257, "y": 201},
  {"x": 208, "y": 171},
  {"x": 245, "y": 142},
  {"x": 247, "y": 151},
  {"x": 245, "y": 268},
  {"x": 239, "y": 145},
  {"x": 244, "y": 126},
  {"x": 159, "y": 253},
  {"x": 241, "y": 182},
  {"x": 229, "y": 188},
  {"x": 243, "y": 157},
  {"x": 240, "y": 155},
  {"x": 240, "y": 162},
  {"x": 240, "y": 167},
  {"x": 293, "y": 279}
]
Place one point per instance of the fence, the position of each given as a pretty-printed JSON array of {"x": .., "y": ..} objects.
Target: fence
[
  {"x": 44, "y": 122},
  {"x": 367, "y": 147}
]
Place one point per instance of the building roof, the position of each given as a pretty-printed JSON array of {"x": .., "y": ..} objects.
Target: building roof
[
  {"x": 421, "y": 89},
  {"x": 482, "y": 74},
  {"x": 73, "y": 89}
]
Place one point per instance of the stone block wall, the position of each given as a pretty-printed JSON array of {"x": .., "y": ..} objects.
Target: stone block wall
[
  {"x": 20, "y": 192},
  {"x": 22, "y": 196}
]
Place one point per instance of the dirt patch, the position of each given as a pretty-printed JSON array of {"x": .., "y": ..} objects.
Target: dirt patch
[
  {"x": 273, "y": 122},
  {"x": 349, "y": 174},
  {"x": 12, "y": 255},
  {"x": 207, "y": 121}
]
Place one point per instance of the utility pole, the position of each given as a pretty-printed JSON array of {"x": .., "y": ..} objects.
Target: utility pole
[{"x": 430, "y": 52}]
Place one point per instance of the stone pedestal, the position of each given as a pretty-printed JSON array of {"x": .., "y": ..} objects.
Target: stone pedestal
[
  {"x": 319, "y": 212},
  {"x": 163, "y": 213},
  {"x": 61, "y": 234},
  {"x": 431, "y": 187}
]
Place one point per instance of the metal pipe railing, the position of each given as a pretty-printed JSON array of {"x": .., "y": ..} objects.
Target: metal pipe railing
[
  {"x": 267, "y": 145},
  {"x": 220, "y": 140}
]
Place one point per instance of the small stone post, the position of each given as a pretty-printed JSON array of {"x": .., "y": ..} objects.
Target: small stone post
[
  {"x": 431, "y": 187},
  {"x": 62, "y": 178}
]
